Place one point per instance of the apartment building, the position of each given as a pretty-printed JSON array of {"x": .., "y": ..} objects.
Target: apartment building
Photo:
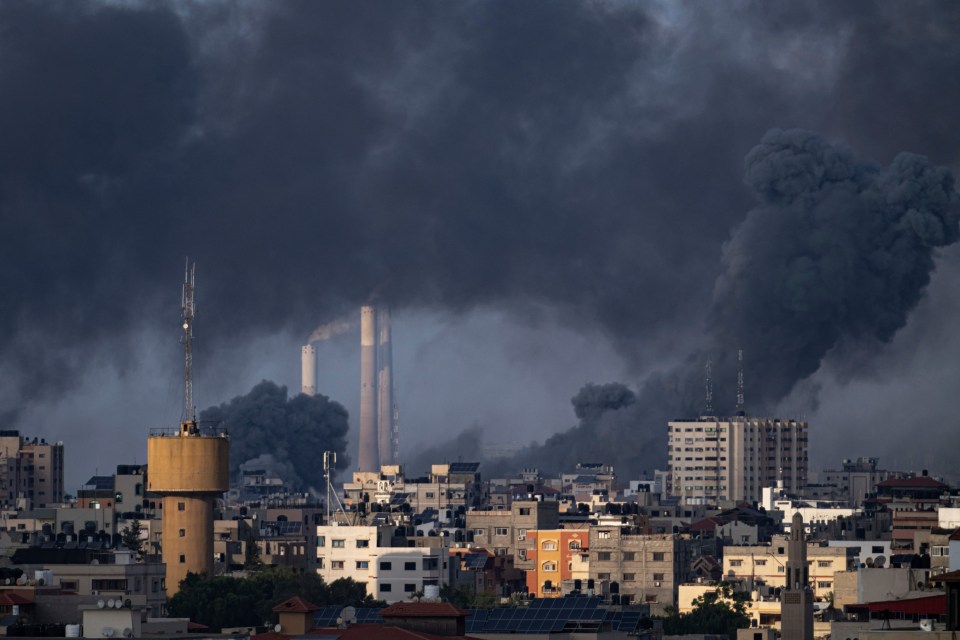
[
  {"x": 31, "y": 471},
  {"x": 557, "y": 556},
  {"x": 715, "y": 459},
  {"x": 505, "y": 532},
  {"x": 367, "y": 554},
  {"x": 766, "y": 564},
  {"x": 646, "y": 567}
]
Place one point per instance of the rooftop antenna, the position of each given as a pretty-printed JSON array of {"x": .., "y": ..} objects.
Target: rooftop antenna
[
  {"x": 189, "y": 311},
  {"x": 740, "y": 407},
  {"x": 708, "y": 409},
  {"x": 329, "y": 461}
]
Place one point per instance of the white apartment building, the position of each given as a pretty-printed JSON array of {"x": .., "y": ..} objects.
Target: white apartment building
[
  {"x": 713, "y": 459},
  {"x": 365, "y": 554}
]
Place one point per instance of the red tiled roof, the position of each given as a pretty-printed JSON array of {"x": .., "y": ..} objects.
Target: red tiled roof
[
  {"x": 917, "y": 482},
  {"x": 708, "y": 524},
  {"x": 423, "y": 610},
  {"x": 296, "y": 604},
  {"x": 14, "y": 598}
]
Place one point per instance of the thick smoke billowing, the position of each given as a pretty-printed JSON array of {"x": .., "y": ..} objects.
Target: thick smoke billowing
[
  {"x": 581, "y": 157},
  {"x": 286, "y": 436},
  {"x": 837, "y": 254}
]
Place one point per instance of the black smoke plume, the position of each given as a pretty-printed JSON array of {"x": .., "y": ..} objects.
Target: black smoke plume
[
  {"x": 580, "y": 156},
  {"x": 286, "y": 436},
  {"x": 836, "y": 255}
]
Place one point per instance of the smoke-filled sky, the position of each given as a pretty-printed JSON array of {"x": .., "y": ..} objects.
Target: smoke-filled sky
[{"x": 548, "y": 195}]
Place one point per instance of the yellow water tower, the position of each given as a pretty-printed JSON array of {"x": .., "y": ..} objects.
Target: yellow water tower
[{"x": 190, "y": 469}]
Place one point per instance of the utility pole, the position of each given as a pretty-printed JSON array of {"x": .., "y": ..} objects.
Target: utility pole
[{"x": 189, "y": 311}]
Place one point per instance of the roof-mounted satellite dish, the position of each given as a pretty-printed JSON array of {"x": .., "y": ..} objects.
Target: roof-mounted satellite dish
[
  {"x": 127, "y": 632},
  {"x": 101, "y": 604},
  {"x": 110, "y": 603},
  {"x": 349, "y": 615},
  {"x": 118, "y": 604},
  {"x": 277, "y": 628}
]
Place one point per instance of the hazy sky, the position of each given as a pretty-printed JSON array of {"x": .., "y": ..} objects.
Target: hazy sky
[{"x": 548, "y": 194}]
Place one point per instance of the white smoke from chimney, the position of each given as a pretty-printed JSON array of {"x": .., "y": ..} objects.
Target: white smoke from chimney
[{"x": 329, "y": 330}]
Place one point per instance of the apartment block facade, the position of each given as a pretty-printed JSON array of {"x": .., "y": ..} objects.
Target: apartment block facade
[
  {"x": 556, "y": 556},
  {"x": 716, "y": 459},
  {"x": 767, "y": 564},
  {"x": 365, "y": 554},
  {"x": 505, "y": 532},
  {"x": 31, "y": 471},
  {"x": 647, "y": 568}
]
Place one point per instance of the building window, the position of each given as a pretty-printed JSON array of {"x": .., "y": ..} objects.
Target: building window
[
  {"x": 386, "y": 588},
  {"x": 521, "y": 534},
  {"x": 877, "y": 549},
  {"x": 760, "y": 563},
  {"x": 363, "y": 564},
  {"x": 479, "y": 532},
  {"x": 363, "y": 544},
  {"x": 522, "y": 554},
  {"x": 338, "y": 544},
  {"x": 430, "y": 494},
  {"x": 183, "y": 559},
  {"x": 409, "y": 566},
  {"x": 524, "y": 511},
  {"x": 431, "y": 564},
  {"x": 659, "y": 556},
  {"x": 409, "y": 587},
  {"x": 629, "y": 556},
  {"x": 658, "y": 577},
  {"x": 824, "y": 563},
  {"x": 183, "y": 533},
  {"x": 736, "y": 563},
  {"x": 603, "y": 556},
  {"x": 574, "y": 544},
  {"x": 336, "y": 565},
  {"x": 321, "y": 541},
  {"x": 549, "y": 545},
  {"x": 181, "y": 506},
  {"x": 603, "y": 535},
  {"x": 549, "y": 566},
  {"x": 603, "y": 576},
  {"x": 629, "y": 577},
  {"x": 386, "y": 566},
  {"x": 501, "y": 531},
  {"x": 824, "y": 585}
]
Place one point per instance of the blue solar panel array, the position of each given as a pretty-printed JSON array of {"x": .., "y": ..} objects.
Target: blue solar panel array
[{"x": 543, "y": 615}]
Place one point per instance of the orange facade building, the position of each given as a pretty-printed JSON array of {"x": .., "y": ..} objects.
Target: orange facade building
[{"x": 557, "y": 555}]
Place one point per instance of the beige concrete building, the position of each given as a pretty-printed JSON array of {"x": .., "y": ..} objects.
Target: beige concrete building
[
  {"x": 505, "y": 532},
  {"x": 767, "y": 564},
  {"x": 715, "y": 459},
  {"x": 31, "y": 471},
  {"x": 648, "y": 568}
]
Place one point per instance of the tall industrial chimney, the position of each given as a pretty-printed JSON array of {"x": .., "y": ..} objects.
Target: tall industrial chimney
[
  {"x": 308, "y": 370},
  {"x": 385, "y": 387},
  {"x": 368, "y": 458}
]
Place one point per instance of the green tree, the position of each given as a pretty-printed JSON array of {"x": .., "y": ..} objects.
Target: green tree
[
  {"x": 224, "y": 601},
  {"x": 719, "y": 611},
  {"x": 131, "y": 536}
]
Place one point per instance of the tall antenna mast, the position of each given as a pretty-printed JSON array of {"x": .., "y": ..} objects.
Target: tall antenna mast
[
  {"x": 708, "y": 409},
  {"x": 740, "y": 404},
  {"x": 329, "y": 461},
  {"x": 189, "y": 311}
]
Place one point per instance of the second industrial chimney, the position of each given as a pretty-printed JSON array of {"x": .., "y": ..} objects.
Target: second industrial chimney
[{"x": 378, "y": 425}]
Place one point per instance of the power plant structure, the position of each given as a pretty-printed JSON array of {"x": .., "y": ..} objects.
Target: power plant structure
[
  {"x": 379, "y": 428},
  {"x": 189, "y": 468},
  {"x": 379, "y": 439},
  {"x": 308, "y": 370}
]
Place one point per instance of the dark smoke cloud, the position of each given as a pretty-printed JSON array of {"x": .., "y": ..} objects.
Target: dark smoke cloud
[
  {"x": 582, "y": 157},
  {"x": 283, "y": 435},
  {"x": 839, "y": 250}
]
